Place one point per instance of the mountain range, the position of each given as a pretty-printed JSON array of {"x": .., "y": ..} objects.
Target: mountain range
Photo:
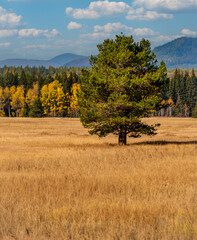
[
  {"x": 179, "y": 53},
  {"x": 67, "y": 59}
]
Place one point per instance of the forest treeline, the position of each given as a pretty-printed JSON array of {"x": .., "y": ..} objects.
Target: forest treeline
[
  {"x": 38, "y": 92},
  {"x": 52, "y": 92},
  {"x": 180, "y": 96}
]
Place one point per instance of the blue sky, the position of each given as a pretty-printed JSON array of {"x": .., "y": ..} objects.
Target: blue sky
[{"x": 42, "y": 29}]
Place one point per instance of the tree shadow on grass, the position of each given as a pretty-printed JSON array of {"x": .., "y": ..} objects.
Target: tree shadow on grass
[{"x": 165, "y": 143}]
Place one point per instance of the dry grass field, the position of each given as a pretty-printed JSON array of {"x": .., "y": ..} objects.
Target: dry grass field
[{"x": 58, "y": 182}]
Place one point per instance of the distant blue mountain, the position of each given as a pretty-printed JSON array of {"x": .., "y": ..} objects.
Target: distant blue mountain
[
  {"x": 67, "y": 59},
  {"x": 27, "y": 62},
  {"x": 63, "y": 59},
  {"x": 80, "y": 62},
  {"x": 179, "y": 53}
]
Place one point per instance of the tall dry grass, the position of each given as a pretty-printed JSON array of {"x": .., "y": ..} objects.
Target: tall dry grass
[{"x": 57, "y": 182}]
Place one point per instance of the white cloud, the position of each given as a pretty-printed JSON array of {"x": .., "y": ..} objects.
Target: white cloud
[
  {"x": 144, "y": 32},
  {"x": 42, "y": 46},
  {"x": 141, "y": 14},
  {"x": 8, "y": 33},
  {"x": 188, "y": 32},
  {"x": 164, "y": 38},
  {"x": 32, "y": 32},
  {"x": 99, "y": 9},
  {"x": 96, "y": 36},
  {"x": 8, "y": 19},
  {"x": 51, "y": 34},
  {"x": 112, "y": 27},
  {"x": 74, "y": 25},
  {"x": 6, "y": 44},
  {"x": 105, "y": 8},
  {"x": 167, "y": 4},
  {"x": 116, "y": 28}
]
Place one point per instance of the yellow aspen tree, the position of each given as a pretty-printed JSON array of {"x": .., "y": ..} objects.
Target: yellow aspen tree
[
  {"x": 45, "y": 99},
  {"x": 57, "y": 98},
  {"x": 170, "y": 107},
  {"x": 170, "y": 102},
  {"x": 2, "y": 102},
  {"x": 74, "y": 108},
  {"x": 11, "y": 70},
  {"x": 62, "y": 101},
  {"x": 53, "y": 99},
  {"x": 7, "y": 96},
  {"x": 31, "y": 95},
  {"x": 12, "y": 92},
  {"x": 36, "y": 88},
  {"x": 54, "y": 76},
  {"x": 18, "y": 100}
]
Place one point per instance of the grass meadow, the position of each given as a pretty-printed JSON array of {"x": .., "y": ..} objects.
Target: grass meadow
[{"x": 58, "y": 182}]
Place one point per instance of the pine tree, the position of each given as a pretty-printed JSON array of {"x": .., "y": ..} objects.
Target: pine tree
[
  {"x": 182, "y": 90},
  {"x": 36, "y": 109},
  {"x": 194, "y": 112},
  {"x": 122, "y": 86},
  {"x": 7, "y": 95},
  {"x": 172, "y": 92},
  {"x": 23, "y": 79},
  {"x": 31, "y": 95},
  {"x": 193, "y": 90},
  {"x": 45, "y": 100},
  {"x": 69, "y": 83},
  {"x": 177, "y": 76},
  {"x": 2, "y": 102}
]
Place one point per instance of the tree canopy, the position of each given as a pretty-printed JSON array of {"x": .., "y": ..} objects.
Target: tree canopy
[{"x": 122, "y": 87}]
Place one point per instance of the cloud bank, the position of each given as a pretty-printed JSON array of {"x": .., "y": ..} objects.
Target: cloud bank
[{"x": 9, "y": 19}]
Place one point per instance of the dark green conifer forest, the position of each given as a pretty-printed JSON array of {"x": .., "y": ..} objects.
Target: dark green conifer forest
[{"x": 179, "y": 97}]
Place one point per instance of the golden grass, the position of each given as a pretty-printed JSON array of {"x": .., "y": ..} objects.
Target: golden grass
[{"x": 57, "y": 182}]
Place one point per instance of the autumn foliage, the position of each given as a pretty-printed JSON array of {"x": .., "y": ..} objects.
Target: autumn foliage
[{"x": 54, "y": 100}]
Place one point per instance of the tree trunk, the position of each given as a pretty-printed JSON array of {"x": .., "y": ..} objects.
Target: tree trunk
[
  {"x": 9, "y": 110},
  {"x": 54, "y": 113},
  {"x": 122, "y": 139}
]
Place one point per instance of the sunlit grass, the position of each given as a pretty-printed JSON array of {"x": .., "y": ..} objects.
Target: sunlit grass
[{"x": 58, "y": 182}]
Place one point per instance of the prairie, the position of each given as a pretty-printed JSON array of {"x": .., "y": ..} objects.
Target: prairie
[{"x": 58, "y": 182}]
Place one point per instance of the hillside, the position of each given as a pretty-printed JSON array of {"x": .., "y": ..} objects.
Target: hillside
[
  {"x": 66, "y": 59},
  {"x": 80, "y": 62},
  {"x": 179, "y": 53},
  {"x": 63, "y": 59}
]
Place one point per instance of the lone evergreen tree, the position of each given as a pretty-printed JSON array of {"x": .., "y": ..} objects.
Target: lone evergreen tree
[{"x": 122, "y": 86}]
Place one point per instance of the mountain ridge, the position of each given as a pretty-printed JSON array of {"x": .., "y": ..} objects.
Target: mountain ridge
[
  {"x": 66, "y": 59},
  {"x": 179, "y": 53},
  {"x": 26, "y": 62}
]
